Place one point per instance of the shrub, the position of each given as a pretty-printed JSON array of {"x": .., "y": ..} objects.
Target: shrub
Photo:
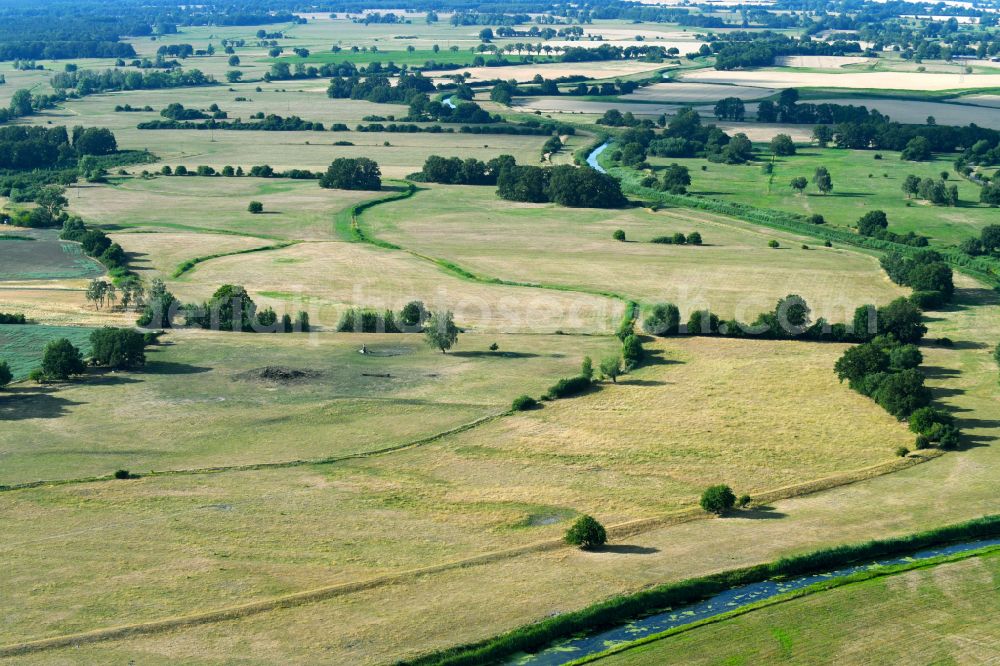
[
  {"x": 718, "y": 499},
  {"x": 618, "y": 235},
  {"x": 928, "y": 300},
  {"x": 587, "y": 368},
  {"x": 123, "y": 474},
  {"x": 949, "y": 438},
  {"x": 694, "y": 238},
  {"x": 922, "y": 442},
  {"x": 523, "y": 403},
  {"x": 5, "y": 374},
  {"x": 816, "y": 218},
  {"x": 61, "y": 360},
  {"x": 743, "y": 502},
  {"x": 586, "y": 533},
  {"x": 611, "y": 367},
  {"x": 255, "y": 207},
  {"x": 773, "y": 244},
  {"x": 568, "y": 387},
  {"x": 663, "y": 319},
  {"x": 632, "y": 352},
  {"x": 37, "y": 375},
  {"x": 923, "y": 420},
  {"x": 902, "y": 452}
]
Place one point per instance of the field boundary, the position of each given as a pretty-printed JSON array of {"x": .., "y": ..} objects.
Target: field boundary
[
  {"x": 267, "y": 465},
  {"x": 190, "y": 264},
  {"x": 621, "y": 530}
]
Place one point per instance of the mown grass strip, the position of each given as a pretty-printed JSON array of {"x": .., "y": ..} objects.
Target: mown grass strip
[
  {"x": 345, "y": 222},
  {"x": 618, "y": 610},
  {"x": 189, "y": 265},
  {"x": 822, "y": 586}
]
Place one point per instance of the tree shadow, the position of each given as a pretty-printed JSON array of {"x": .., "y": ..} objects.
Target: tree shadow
[
  {"x": 626, "y": 549},
  {"x": 172, "y": 368},
  {"x": 641, "y": 382},
  {"x": 33, "y": 403},
  {"x": 939, "y": 392},
  {"x": 936, "y": 372},
  {"x": 972, "y": 296},
  {"x": 759, "y": 513},
  {"x": 656, "y": 357},
  {"x": 966, "y": 345},
  {"x": 496, "y": 354}
]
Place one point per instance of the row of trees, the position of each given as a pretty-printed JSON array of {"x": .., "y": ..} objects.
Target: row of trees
[
  {"x": 95, "y": 243},
  {"x": 925, "y": 272},
  {"x": 24, "y": 147},
  {"x": 887, "y": 371},
  {"x": 791, "y": 318},
  {"x": 113, "y": 348},
  {"x": 937, "y": 191}
]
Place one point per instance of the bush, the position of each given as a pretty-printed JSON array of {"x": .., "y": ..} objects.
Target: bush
[
  {"x": 743, "y": 502},
  {"x": 928, "y": 300},
  {"x": 632, "y": 352},
  {"x": 902, "y": 452},
  {"x": 118, "y": 348},
  {"x": 663, "y": 319},
  {"x": 718, "y": 499},
  {"x": 523, "y": 403},
  {"x": 123, "y": 474},
  {"x": 61, "y": 360},
  {"x": 694, "y": 238},
  {"x": 923, "y": 420},
  {"x": 5, "y": 374},
  {"x": 568, "y": 387},
  {"x": 618, "y": 235},
  {"x": 773, "y": 244},
  {"x": 921, "y": 442},
  {"x": 255, "y": 207},
  {"x": 586, "y": 533}
]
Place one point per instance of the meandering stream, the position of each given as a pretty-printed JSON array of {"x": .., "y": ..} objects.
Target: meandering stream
[{"x": 729, "y": 600}]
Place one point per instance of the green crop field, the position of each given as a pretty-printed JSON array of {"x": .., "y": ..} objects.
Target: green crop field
[
  {"x": 21, "y": 345},
  {"x": 44, "y": 257}
]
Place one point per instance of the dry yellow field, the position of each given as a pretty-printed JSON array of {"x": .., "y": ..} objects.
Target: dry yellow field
[{"x": 927, "y": 81}]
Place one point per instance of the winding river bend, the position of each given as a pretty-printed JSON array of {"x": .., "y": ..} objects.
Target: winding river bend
[
  {"x": 592, "y": 157},
  {"x": 726, "y": 601}
]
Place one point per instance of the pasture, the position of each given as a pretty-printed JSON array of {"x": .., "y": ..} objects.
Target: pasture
[
  {"x": 938, "y": 608},
  {"x": 735, "y": 273},
  {"x": 236, "y": 536},
  {"x": 860, "y": 184},
  {"x": 200, "y": 402},
  {"x": 398, "y": 154}
]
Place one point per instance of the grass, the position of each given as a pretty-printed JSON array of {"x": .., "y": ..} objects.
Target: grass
[
  {"x": 461, "y": 496},
  {"x": 192, "y": 388},
  {"x": 854, "y": 192},
  {"x": 294, "y": 210},
  {"x": 542, "y": 243},
  {"x": 21, "y": 345},
  {"x": 938, "y": 608}
]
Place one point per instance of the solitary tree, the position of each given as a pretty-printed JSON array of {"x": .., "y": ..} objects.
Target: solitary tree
[
  {"x": 441, "y": 331},
  {"x": 611, "y": 367},
  {"x": 824, "y": 183},
  {"x": 61, "y": 360},
  {"x": 799, "y": 184},
  {"x": 255, "y": 207},
  {"x": 782, "y": 145},
  {"x": 586, "y": 533},
  {"x": 911, "y": 185},
  {"x": 718, "y": 499}
]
